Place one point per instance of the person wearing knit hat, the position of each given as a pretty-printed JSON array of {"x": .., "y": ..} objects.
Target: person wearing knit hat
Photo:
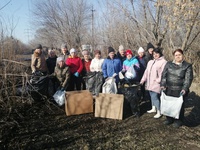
[
  {"x": 130, "y": 70},
  {"x": 143, "y": 65},
  {"x": 76, "y": 66},
  {"x": 62, "y": 74},
  {"x": 130, "y": 66},
  {"x": 51, "y": 60},
  {"x": 38, "y": 61},
  {"x": 39, "y": 46},
  {"x": 86, "y": 67},
  {"x": 112, "y": 65},
  {"x": 149, "y": 52},
  {"x": 121, "y": 54},
  {"x": 64, "y": 51}
]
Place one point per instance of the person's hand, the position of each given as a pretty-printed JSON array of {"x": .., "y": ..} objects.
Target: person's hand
[
  {"x": 182, "y": 92},
  {"x": 123, "y": 70},
  {"x": 76, "y": 74}
]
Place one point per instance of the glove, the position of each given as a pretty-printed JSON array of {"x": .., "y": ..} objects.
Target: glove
[
  {"x": 76, "y": 74},
  {"x": 182, "y": 93}
]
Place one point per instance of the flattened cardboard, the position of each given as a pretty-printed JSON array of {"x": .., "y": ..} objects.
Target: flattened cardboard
[
  {"x": 109, "y": 106},
  {"x": 78, "y": 102}
]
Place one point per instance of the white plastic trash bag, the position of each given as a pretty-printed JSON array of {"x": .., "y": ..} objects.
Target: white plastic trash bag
[
  {"x": 130, "y": 73},
  {"x": 110, "y": 86},
  {"x": 171, "y": 106},
  {"x": 59, "y": 97}
]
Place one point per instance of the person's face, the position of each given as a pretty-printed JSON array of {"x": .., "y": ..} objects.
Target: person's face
[
  {"x": 178, "y": 57},
  {"x": 61, "y": 63},
  {"x": 52, "y": 54},
  {"x": 156, "y": 55},
  {"x": 86, "y": 57},
  {"x": 98, "y": 56},
  {"x": 129, "y": 56},
  {"x": 122, "y": 52},
  {"x": 39, "y": 51},
  {"x": 64, "y": 50},
  {"x": 141, "y": 54},
  {"x": 73, "y": 54},
  {"x": 111, "y": 55},
  {"x": 150, "y": 50}
]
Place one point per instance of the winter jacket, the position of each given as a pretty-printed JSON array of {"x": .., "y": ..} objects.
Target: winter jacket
[
  {"x": 122, "y": 58},
  {"x": 86, "y": 67},
  {"x": 131, "y": 62},
  {"x": 148, "y": 57},
  {"x": 63, "y": 75},
  {"x": 38, "y": 63},
  {"x": 51, "y": 64},
  {"x": 111, "y": 66},
  {"x": 153, "y": 73},
  {"x": 96, "y": 65},
  {"x": 75, "y": 64},
  {"x": 143, "y": 65},
  {"x": 177, "y": 77}
]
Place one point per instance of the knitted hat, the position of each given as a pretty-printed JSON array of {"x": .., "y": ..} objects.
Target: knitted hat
[
  {"x": 121, "y": 47},
  {"x": 59, "y": 59},
  {"x": 140, "y": 50},
  {"x": 39, "y": 46},
  {"x": 149, "y": 45},
  {"x": 110, "y": 49},
  {"x": 129, "y": 52},
  {"x": 85, "y": 52},
  {"x": 72, "y": 51},
  {"x": 64, "y": 45}
]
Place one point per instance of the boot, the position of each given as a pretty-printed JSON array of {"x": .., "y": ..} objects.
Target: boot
[
  {"x": 158, "y": 115},
  {"x": 152, "y": 110}
]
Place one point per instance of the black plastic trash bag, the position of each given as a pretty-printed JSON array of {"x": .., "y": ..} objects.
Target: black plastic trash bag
[
  {"x": 132, "y": 96},
  {"x": 38, "y": 87},
  {"x": 94, "y": 82}
]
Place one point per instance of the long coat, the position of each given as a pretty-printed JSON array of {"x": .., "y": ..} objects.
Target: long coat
[{"x": 153, "y": 73}]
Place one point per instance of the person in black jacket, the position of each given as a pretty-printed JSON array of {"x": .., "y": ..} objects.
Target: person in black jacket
[
  {"x": 176, "y": 80},
  {"x": 149, "y": 52},
  {"x": 121, "y": 54}
]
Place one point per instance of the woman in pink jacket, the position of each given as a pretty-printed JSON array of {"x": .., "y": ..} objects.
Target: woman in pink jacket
[{"x": 152, "y": 76}]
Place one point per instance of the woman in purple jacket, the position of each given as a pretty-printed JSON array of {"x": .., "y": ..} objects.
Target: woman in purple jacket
[{"x": 152, "y": 76}]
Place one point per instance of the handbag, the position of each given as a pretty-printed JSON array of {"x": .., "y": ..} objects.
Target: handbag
[{"x": 171, "y": 106}]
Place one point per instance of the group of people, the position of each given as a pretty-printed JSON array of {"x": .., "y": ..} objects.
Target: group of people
[{"x": 148, "y": 68}]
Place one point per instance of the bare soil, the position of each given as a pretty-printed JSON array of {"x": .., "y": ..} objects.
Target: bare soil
[{"x": 44, "y": 125}]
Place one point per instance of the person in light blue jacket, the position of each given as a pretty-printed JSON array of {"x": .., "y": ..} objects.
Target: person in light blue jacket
[{"x": 111, "y": 65}]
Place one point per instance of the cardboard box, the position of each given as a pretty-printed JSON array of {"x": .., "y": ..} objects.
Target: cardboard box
[
  {"x": 78, "y": 102},
  {"x": 109, "y": 106}
]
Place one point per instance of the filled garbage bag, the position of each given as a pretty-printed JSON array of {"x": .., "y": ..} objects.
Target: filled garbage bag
[
  {"x": 109, "y": 86},
  {"x": 132, "y": 95},
  {"x": 38, "y": 87},
  {"x": 94, "y": 82},
  {"x": 59, "y": 97}
]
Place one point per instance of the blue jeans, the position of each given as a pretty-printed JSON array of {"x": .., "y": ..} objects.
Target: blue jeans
[{"x": 155, "y": 100}]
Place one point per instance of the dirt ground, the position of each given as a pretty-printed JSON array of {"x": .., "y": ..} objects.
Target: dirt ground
[{"x": 44, "y": 125}]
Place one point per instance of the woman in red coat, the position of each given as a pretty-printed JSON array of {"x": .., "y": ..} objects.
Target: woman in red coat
[{"x": 75, "y": 66}]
